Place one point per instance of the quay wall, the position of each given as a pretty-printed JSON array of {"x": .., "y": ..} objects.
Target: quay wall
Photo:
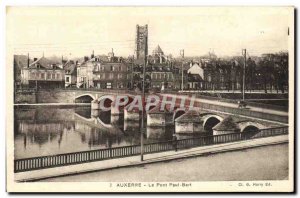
[{"x": 45, "y": 96}]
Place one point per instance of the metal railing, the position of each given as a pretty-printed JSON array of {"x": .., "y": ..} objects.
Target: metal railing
[{"x": 34, "y": 163}]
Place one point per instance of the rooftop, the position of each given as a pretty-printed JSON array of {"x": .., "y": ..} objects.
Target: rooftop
[
  {"x": 158, "y": 50},
  {"x": 44, "y": 63}
]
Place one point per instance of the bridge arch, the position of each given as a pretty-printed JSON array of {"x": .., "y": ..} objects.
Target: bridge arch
[
  {"x": 247, "y": 126},
  {"x": 210, "y": 120},
  {"x": 106, "y": 100},
  {"x": 178, "y": 112},
  {"x": 84, "y": 98}
]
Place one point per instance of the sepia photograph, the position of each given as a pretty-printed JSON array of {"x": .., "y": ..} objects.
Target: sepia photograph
[{"x": 150, "y": 99}]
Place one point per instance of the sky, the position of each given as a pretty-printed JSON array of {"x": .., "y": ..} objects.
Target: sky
[{"x": 77, "y": 31}]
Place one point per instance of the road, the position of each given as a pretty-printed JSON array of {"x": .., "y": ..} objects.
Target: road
[
  {"x": 232, "y": 105},
  {"x": 261, "y": 163}
]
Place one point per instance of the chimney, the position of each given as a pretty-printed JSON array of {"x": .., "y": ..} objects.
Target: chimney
[
  {"x": 112, "y": 52},
  {"x": 92, "y": 56}
]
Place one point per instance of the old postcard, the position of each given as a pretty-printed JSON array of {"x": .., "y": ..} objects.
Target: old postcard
[{"x": 150, "y": 99}]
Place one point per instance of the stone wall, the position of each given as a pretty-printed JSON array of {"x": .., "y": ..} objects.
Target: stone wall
[
  {"x": 25, "y": 98},
  {"x": 156, "y": 119},
  {"x": 188, "y": 127},
  {"x": 45, "y": 97},
  {"x": 55, "y": 97}
]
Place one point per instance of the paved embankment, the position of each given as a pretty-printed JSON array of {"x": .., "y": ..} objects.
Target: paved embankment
[
  {"x": 239, "y": 165},
  {"x": 149, "y": 158}
]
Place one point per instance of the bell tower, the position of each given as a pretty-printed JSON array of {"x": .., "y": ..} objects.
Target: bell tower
[{"x": 141, "y": 41}]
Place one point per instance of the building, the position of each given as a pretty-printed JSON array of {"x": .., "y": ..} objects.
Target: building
[
  {"x": 161, "y": 72},
  {"x": 103, "y": 72},
  {"x": 43, "y": 73},
  {"x": 111, "y": 75},
  {"x": 141, "y": 42},
  {"x": 70, "y": 73},
  {"x": 85, "y": 72},
  {"x": 158, "y": 56},
  {"x": 195, "y": 76},
  {"x": 20, "y": 62},
  {"x": 157, "y": 76}
]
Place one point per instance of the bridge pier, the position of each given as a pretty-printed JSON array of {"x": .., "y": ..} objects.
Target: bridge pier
[
  {"x": 95, "y": 105},
  {"x": 190, "y": 122},
  {"x": 115, "y": 119},
  {"x": 156, "y": 117},
  {"x": 131, "y": 115},
  {"x": 226, "y": 126}
]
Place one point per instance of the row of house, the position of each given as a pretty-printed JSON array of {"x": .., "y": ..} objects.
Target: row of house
[
  {"x": 111, "y": 72},
  {"x": 161, "y": 72},
  {"x": 103, "y": 72}
]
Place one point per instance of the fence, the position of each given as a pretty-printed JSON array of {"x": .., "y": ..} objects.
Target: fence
[{"x": 34, "y": 163}]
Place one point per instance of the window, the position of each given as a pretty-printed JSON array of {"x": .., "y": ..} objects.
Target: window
[
  {"x": 111, "y": 68},
  {"x": 209, "y": 78},
  {"x": 58, "y": 76},
  {"x": 222, "y": 79},
  {"x": 96, "y": 68},
  {"x": 53, "y": 76},
  {"x": 42, "y": 75},
  {"x": 108, "y": 85},
  {"x": 119, "y": 76},
  {"x": 111, "y": 76},
  {"x": 32, "y": 75},
  {"x": 68, "y": 79},
  {"x": 48, "y": 76}
]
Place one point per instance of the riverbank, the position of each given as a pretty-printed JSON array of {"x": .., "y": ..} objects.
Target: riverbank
[{"x": 148, "y": 159}]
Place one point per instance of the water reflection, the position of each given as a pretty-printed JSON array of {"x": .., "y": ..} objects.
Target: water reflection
[{"x": 49, "y": 131}]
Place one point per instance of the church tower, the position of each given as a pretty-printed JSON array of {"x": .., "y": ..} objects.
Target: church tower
[{"x": 141, "y": 40}]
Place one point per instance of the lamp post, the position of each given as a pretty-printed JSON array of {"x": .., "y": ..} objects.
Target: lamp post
[
  {"x": 244, "y": 72},
  {"x": 182, "y": 56},
  {"x": 143, "y": 99}
]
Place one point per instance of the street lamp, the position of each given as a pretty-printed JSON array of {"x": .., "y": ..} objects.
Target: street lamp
[{"x": 182, "y": 56}]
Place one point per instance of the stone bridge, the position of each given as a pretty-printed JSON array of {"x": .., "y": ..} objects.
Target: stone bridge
[
  {"x": 89, "y": 95},
  {"x": 209, "y": 120}
]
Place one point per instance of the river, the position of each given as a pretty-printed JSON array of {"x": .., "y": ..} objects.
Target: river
[{"x": 48, "y": 130}]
